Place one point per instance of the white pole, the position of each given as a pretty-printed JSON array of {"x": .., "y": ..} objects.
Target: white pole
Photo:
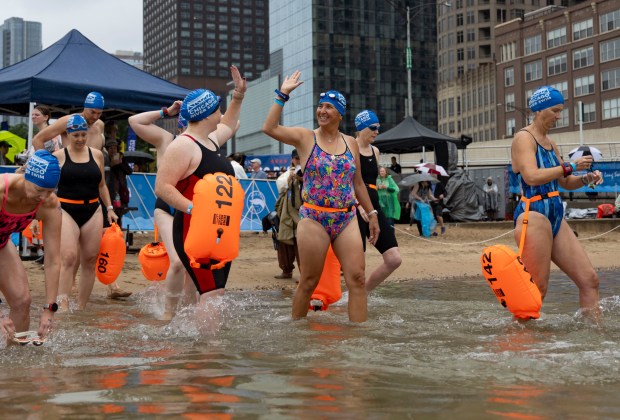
[
  {"x": 30, "y": 128},
  {"x": 580, "y": 105}
]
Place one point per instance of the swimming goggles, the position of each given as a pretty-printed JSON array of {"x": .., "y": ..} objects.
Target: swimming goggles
[
  {"x": 77, "y": 127},
  {"x": 331, "y": 95},
  {"x": 373, "y": 127}
]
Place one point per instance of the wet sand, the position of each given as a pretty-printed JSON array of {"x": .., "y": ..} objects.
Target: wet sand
[{"x": 453, "y": 255}]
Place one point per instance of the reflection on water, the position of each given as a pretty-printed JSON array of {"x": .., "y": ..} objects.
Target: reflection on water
[{"x": 430, "y": 349}]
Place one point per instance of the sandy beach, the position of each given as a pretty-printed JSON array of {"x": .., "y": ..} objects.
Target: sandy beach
[{"x": 453, "y": 255}]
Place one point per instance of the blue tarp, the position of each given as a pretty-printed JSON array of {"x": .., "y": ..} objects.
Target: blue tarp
[{"x": 63, "y": 74}]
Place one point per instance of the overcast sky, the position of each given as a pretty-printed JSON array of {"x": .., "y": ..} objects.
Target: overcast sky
[{"x": 111, "y": 24}]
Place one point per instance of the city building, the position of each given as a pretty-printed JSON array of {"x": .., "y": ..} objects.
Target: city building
[
  {"x": 357, "y": 48},
  {"x": 576, "y": 50},
  {"x": 194, "y": 42},
  {"x": 20, "y": 39},
  {"x": 131, "y": 57},
  {"x": 467, "y": 58}
]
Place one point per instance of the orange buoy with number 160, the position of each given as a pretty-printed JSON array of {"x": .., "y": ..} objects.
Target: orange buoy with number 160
[{"x": 111, "y": 256}]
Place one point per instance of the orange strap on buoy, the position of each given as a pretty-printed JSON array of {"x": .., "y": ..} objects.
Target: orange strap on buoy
[
  {"x": 509, "y": 279},
  {"x": 30, "y": 235},
  {"x": 215, "y": 224},
  {"x": 154, "y": 260},
  {"x": 112, "y": 253}
]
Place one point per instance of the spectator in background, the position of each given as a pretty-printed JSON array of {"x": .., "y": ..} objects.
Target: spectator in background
[
  {"x": 117, "y": 179},
  {"x": 491, "y": 199},
  {"x": 257, "y": 173},
  {"x": 4, "y": 149},
  {"x": 439, "y": 192},
  {"x": 395, "y": 166},
  {"x": 388, "y": 196},
  {"x": 287, "y": 208},
  {"x": 41, "y": 115},
  {"x": 237, "y": 160}
]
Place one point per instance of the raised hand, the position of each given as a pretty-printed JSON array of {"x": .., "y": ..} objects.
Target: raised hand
[
  {"x": 240, "y": 82},
  {"x": 174, "y": 108},
  {"x": 291, "y": 82}
]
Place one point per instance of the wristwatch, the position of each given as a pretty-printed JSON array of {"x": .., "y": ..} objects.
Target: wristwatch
[{"x": 51, "y": 306}]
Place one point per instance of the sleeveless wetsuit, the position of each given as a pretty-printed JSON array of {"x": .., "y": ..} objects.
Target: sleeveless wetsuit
[
  {"x": 327, "y": 191},
  {"x": 78, "y": 188},
  {"x": 387, "y": 238},
  {"x": 11, "y": 222},
  {"x": 551, "y": 207},
  {"x": 204, "y": 279}
]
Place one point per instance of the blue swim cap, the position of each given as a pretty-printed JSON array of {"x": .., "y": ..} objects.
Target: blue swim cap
[
  {"x": 181, "y": 122},
  {"x": 364, "y": 119},
  {"x": 43, "y": 169},
  {"x": 94, "y": 100},
  {"x": 199, "y": 104},
  {"x": 545, "y": 97},
  {"x": 76, "y": 123},
  {"x": 336, "y": 99}
]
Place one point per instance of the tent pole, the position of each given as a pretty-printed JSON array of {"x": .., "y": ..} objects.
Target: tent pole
[
  {"x": 30, "y": 128},
  {"x": 423, "y": 154}
]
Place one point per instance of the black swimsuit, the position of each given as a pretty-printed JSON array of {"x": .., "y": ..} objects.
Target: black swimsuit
[
  {"x": 79, "y": 183},
  {"x": 205, "y": 280},
  {"x": 387, "y": 238}
]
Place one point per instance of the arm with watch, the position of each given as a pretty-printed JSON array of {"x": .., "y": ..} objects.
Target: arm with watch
[
  {"x": 362, "y": 194},
  {"x": 49, "y": 213}
]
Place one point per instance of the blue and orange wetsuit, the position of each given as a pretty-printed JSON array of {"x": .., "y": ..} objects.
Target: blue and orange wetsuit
[
  {"x": 551, "y": 207},
  {"x": 11, "y": 222},
  {"x": 327, "y": 192},
  {"x": 205, "y": 280}
]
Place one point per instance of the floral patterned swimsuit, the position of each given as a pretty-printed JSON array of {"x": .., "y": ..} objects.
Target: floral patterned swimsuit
[
  {"x": 327, "y": 192},
  {"x": 11, "y": 223}
]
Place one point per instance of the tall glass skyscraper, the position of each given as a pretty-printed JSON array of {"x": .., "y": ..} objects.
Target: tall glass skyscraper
[
  {"x": 358, "y": 48},
  {"x": 20, "y": 40}
]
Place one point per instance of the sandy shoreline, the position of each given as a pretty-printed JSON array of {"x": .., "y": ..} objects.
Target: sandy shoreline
[{"x": 453, "y": 255}]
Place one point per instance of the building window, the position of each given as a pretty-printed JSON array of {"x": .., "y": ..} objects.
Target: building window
[
  {"x": 610, "y": 79},
  {"x": 583, "y": 29},
  {"x": 556, "y": 65},
  {"x": 509, "y": 103},
  {"x": 610, "y": 21},
  {"x": 589, "y": 113},
  {"x": 471, "y": 35},
  {"x": 510, "y": 127},
  {"x": 471, "y": 53},
  {"x": 459, "y": 19},
  {"x": 471, "y": 18},
  {"x": 611, "y": 108},
  {"x": 460, "y": 54},
  {"x": 459, "y": 37},
  {"x": 562, "y": 87},
  {"x": 610, "y": 50},
  {"x": 509, "y": 76},
  {"x": 532, "y": 45},
  {"x": 533, "y": 71},
  {"x": 583, "y": 58},
  {"x": 556, "y": 37},
  {"x": 584, "y": 85}
]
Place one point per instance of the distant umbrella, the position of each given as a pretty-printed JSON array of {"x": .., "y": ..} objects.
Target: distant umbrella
[
  {"x": 413, "y": 179},
  {"x": 136, "y": 156},
  {"x": 431, "y": 168},
  {"x": 16, "y": 144},
  {"x": 586, "y": 151}
]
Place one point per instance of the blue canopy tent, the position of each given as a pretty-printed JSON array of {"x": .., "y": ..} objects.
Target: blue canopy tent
[{"x": 61, "y": 76}]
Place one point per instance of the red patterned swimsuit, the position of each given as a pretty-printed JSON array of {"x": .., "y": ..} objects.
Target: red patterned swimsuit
[{"x": 11, "y": 223}]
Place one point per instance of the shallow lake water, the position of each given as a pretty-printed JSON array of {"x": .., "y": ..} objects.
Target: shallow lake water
[{"x": 431, "y": 349}]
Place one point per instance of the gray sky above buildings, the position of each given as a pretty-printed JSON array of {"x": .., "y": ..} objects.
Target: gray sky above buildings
[{"x": 111, "y": 24}]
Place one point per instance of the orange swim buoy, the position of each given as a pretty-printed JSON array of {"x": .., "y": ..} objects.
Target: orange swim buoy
[
  {"x": 511, "y": 283},
  {"x": 214, "y": 227},
  {"x": 112, "y": 253},
  {"x": 154, "y": 260},
  {"x": 28, "y": 234},
  {"x": 328, "y": 290}
]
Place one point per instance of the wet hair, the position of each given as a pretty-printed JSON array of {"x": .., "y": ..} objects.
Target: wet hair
[{"x": 238, "y": 157}]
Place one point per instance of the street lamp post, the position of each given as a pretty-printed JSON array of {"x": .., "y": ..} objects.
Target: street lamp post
[{"x": 408, "y": 58}]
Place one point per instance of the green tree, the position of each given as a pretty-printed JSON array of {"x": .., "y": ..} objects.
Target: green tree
[{"x": 20, "y": 130}]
